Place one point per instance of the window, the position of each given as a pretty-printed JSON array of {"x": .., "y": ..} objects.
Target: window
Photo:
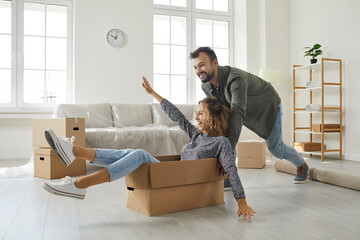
[
  {"x": 181, "y": 26},
  {"x": 170, "y": 52},
  {"x": 214, "y": 34},
  {"x": 5, "y": 51},
  {"x": 35, "y": 37},
  {"x": 176, "y": 3},
  {"x": 215, "y": 5}
]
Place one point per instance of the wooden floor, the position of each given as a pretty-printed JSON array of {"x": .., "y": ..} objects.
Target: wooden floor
[{"x": 284, "y": 210}]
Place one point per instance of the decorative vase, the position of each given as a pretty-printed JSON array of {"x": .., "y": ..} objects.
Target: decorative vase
[{"x": 313, "y": 60}]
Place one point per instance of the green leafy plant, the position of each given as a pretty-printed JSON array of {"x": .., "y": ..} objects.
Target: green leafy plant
[{"x": 313, "y": 51}]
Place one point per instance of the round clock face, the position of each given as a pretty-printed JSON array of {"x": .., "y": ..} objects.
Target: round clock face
[{"x": 116, "y": 38}]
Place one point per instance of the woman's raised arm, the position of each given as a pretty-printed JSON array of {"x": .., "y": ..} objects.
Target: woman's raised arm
[{"x": 151, "y": 91}]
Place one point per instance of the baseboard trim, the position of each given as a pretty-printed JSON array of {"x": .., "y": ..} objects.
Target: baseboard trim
[{"x": 352, "y": 157}]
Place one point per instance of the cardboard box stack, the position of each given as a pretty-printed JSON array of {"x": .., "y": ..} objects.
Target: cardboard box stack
[
  {"x": 327, "y": 127},
  {"x": 251, "y": 154},
  {"x": 172, "y": 185},
  {"x": 46, "y": 162},
  {"x": 307, "y": 146}
]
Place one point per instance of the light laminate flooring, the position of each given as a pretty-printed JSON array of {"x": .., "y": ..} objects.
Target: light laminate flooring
[{"x": 284, "y": 210}]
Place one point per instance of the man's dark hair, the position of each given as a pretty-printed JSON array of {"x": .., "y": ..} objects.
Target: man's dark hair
[{"x": 211, "y": 54}]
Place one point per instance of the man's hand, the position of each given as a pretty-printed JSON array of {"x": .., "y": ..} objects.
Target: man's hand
[
  {"x": 244, "y": 209},
  {"x": 146, "y": 86}
]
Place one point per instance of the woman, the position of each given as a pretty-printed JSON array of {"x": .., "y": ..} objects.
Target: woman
[{"x": 206, "y": 141}]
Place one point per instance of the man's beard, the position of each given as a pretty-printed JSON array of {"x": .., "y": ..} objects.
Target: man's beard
[{"x": 208, "y": 77}]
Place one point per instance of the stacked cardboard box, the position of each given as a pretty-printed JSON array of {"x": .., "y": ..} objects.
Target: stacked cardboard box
[
  {"x": 251, "y": 154},
  {"x": 172, "y": 185},
  {"x": 307, "y": 146},
  {"x": 46, "y": 162},
  {"x": 327, "y": 127}
]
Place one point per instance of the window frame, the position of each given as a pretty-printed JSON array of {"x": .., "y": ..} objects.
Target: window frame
[
  {"x": 191, "y": 12},
  {"x": 231, "y": 46},
  {"x": 213, "y": 12},
  {"x": 188, "y": 40},
  {"x": 17, "y": 57}
]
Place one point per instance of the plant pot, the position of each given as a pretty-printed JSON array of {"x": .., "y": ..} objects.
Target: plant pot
[{"x": 313, "y": 60}]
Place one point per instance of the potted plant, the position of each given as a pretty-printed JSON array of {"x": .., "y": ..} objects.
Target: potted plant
[{"x": 313, "y": 52}]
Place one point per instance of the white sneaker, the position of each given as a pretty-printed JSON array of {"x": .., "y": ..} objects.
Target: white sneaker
[
  {"x": 62, "y": 147},
  {"x": 65, "y": 186}
]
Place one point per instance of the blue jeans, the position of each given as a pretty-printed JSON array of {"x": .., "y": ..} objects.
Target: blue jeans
[
  {"x": 278, "y": 148},
  {"x": 120, "y": 163}
]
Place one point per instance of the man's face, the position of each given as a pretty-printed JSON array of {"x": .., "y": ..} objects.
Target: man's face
[{"x": 204, "y": 68}]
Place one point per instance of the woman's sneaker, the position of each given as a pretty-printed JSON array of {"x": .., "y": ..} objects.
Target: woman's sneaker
[
  {"x": 301, "y": 174},
  {"x": 65, "y": 186},
  {"x": 62, "y": 147}
]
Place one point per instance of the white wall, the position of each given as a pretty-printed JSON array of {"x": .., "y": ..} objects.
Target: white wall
[
  {"x": 15, "y": 138},
  {"x": 335, "y": 25},
  {"x": 276, "y": 38},
  {"x": 104, "y": 73},
  {"x": 101, "y": 73},
  {"x": 261, "y": 35}
]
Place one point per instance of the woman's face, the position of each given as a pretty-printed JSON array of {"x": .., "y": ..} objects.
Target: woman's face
[{"x": 203, "y": 119}]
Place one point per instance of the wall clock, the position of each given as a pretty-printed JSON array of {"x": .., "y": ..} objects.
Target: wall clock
[{"x": 116, "y": 38}]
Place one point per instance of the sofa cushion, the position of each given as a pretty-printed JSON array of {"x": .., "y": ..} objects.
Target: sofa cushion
[
  {"x": 156, "y": 139},
  {"x": 126, "y": 115},
  {"x": 96, "y": 115},
  {"x": 161, "y": 118}
]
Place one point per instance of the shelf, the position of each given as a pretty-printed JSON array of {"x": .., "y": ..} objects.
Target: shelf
[
  {"x": 325, "y": 131},
  {"x": 319, "y": 152},
  {"x": 322, "y": 83},
  {"x": 317, "y": 66},
  {"x": 314, "y": 112},
  {"x": 327, "y": 109},
  {"x": 315, "y": 88}
]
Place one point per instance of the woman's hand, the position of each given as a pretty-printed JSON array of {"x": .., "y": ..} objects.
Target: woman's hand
[
  {"x": 149, "y": 90},
  {"x": 146, "y": 86},
  {"x": 220, "y": 169},
  {"x": 244, "y": 209}
]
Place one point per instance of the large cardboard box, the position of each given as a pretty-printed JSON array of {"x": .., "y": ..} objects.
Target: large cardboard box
[
  {"x": 172, "y": 185},
  {"x": 63, "y": 127},
  {"x": 251, "y": 154},
  {"x": 48, "y": 165},
  {"x": 307, "y": 146},
  {"x": 327, "y": 127}
]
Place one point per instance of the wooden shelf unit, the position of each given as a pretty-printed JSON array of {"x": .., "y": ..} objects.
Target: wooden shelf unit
[{"x": 321, "y": 66}]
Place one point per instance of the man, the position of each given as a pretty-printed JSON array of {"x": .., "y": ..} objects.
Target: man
[{"x": 253, "y": 102}]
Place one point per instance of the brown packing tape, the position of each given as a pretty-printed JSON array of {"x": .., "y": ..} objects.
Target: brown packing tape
[{"x": 341, "y": 179}]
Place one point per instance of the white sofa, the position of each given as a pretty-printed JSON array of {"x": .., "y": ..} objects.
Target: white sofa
[{"x": 137, "y": 126}]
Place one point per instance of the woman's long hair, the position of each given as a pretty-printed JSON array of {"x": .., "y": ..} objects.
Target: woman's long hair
[{"x": 219, "y": 116}]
